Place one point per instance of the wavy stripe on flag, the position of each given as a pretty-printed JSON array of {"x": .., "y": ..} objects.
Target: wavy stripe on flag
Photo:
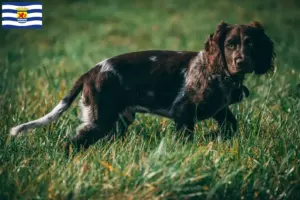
[
  {"x": 21, "y": 27},
  {"x": 15, "y": 19},
  {"x": 28, "y": 11},
  {"x": 14, "y": 7},
  {"x": 14, "y": 15},
  {"x": 14, "y": 23}
]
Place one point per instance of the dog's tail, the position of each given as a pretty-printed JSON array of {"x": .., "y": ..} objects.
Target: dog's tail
[{"x": 63, "y": 105}]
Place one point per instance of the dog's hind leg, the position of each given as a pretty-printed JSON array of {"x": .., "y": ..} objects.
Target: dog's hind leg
[
  {"x": 126, "y": 118},
  {"x": 102, "y": 122},
  {"x": 100, "y": 108},
  {"x": 227, "y": 122}
]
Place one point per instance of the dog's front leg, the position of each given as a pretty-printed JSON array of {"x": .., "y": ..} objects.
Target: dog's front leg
[
  {"x": 239, "y": 94},
  {"x": 226, "y": 121},
  {"x": 183, "y": 113},
  {"x": 186, "y": 127}
]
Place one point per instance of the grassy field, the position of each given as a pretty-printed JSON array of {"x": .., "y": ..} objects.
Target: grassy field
[{"x": 38, "y": 67}]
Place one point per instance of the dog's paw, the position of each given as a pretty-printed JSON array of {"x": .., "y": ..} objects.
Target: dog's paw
[
  {"x": 245, "y": 92},
  {"x": 239, "y": 94}
]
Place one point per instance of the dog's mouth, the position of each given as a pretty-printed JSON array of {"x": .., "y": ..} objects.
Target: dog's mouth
[{"x": 244, "y": 67}]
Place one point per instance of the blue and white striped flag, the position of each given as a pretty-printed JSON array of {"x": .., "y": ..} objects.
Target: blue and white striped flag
[{"x": 21, "y": 15}]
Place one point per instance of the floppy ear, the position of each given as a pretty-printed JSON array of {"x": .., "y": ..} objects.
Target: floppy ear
[
  {"x": 217, "y": 37},
  {"x": 221, "y": 30},
  {"x": 256, "y": 24},
  {"x": 214, "y": 44},
  {"x": 264, "y": 50}
]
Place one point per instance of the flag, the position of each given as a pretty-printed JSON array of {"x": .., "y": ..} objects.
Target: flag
[{"x": 21, "y": 15}]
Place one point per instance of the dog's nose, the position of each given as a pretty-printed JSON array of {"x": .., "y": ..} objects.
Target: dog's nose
[
  {"x": 240, "y": 63},
  {"x": 239, "y": 60}
]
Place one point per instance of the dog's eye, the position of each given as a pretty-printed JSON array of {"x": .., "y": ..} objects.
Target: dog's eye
[
  {"x": 248, "y": 42},
  {"x": 230, "y": 45}
]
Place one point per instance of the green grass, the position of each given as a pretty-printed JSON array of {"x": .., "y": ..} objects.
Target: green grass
[{"x": 38, "y": 67}]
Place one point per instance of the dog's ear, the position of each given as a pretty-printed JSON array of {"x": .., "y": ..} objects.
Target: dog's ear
[
  {"x": 256, "y": 24},
  {"x": 217, "y": 36},
  {"x": 264, "y": 50},
  {"x": 221, "y": 30},
  {"x": 215, "y": 42}
]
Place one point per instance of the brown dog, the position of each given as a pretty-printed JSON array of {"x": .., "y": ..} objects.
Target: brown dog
[{"x": 181, "y": 85}]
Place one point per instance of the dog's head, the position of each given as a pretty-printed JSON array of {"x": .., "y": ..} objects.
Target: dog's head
[{"x": 241, "y": 49}]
